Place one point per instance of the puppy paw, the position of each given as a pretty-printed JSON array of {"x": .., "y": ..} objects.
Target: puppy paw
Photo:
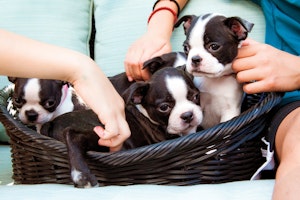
[{"x": 83, "y": 180}]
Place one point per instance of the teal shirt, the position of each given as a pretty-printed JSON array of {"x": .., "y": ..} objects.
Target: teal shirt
[{"x": 283, "y": 30}]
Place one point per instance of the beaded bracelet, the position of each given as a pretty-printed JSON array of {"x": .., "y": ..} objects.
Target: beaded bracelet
[
  {"x": 178, "y": 7},
  {"x": 163, "y": 8}
]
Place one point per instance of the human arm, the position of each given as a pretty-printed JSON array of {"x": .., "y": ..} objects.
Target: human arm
[
  {"x": 23, "y": 57},
  {"x": 154, "y": 42},
  {"x": 264, "y": 68}
]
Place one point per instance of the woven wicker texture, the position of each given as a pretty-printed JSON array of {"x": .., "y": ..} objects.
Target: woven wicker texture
[{"x": 227, "y": 152}]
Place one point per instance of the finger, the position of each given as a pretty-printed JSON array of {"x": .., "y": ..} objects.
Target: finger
[
  {"x": 246, "y": 51},
  {"x": 248, "y": 41},
  {"x": 114, "y": 143},
  {"x": 124, "y": 135},
  {"x": 146, "y": 76},
  {"x": 245, "y": 43},
  {"x": 106, "y": 133},
  {"x": 248, "y": 76},
  {"x": 129, "y": 70},
  {"x": 111, "y": 143},
  {"x": 136, "y": 73},
  {"x": 100, "y": 132},
  {"x": 114, "y": 138},
  {"x": 130, "y": 79},
  {"x": 256, "y": 87},
  {"x": 149, "y": 55},
  {"x": 120, "y": 139},
  {"x": 241, "y": 64},
  {"x": 132, "y": 64},
  {"x": 248, "y": 48},
  {"x": 136, "y": 70},
  {"x": 115, "y": 149}
]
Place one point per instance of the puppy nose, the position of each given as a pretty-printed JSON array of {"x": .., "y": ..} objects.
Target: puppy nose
[
  {"x": 31, "y": 115},
  {"x": 196, "y": 60},
  {"x": 187, "y": 117}
]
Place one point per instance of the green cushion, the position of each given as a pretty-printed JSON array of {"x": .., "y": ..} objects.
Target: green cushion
[
  {"x": 65, "y": 23},
  {"x": 3, "y": 135},
  {"x": 119, "y": 24}
]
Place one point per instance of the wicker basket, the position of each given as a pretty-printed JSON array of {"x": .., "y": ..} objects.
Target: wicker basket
[{"x": 227, "y": 152}]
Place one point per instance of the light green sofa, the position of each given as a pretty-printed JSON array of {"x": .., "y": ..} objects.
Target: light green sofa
[{"x": 68, "y": 23}]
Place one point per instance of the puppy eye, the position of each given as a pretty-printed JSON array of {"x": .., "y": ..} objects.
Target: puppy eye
[
  {"x": 196, "y": 98},
  {"x": 164, "y": 107},
  {"x": 186, "y": 49},
  {"x": 18, "y": 102},
  {"x": 49, "y": 103},
  {"x": 213, "y": 47}
]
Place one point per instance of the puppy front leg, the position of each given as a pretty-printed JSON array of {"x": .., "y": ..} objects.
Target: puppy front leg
[{"x": 80, "y": 173}]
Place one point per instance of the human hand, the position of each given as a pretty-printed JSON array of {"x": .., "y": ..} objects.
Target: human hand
[
  {"x": 115, "y": 133},
  {"x": 116, "y": 127},
  {"x": 264, "y": 68},
  {"x": 100, "y": 95},
  {"x": 148, "y": 46}
]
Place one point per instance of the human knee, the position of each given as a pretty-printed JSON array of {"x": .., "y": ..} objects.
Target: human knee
[{"x": 288, "y": 135}]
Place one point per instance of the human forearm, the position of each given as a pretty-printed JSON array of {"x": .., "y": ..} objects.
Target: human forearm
[
  {"x": 162, "y": 21},
  {"x": 290, "y": 80},
  {"x": 23, "y": 57}
]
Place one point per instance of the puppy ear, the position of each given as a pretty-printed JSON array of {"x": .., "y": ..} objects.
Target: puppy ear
[
  {"x": 154, "y": 64},
  {"x": 165, "y": 60},
  {"x": 62, "y": 83},
  {"x": 66, "y": 83},
  {"x": 188, "y": 76},
  {"x": 187, "y": 19},
  {"x": 12, "y": 79},
  {"x": 239, "y": 27},
  {"x": 182, "y": 67},
  {"x": 136, "y": 92}
]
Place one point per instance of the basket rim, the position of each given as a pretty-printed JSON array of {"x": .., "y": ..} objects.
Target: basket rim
[{"x": 184, "y": 142}]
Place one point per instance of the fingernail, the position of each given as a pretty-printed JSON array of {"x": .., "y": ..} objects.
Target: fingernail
[{"x": 130, "y": 79}]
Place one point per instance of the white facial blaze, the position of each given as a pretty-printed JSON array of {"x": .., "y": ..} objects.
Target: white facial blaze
[
  {"x": 178, "y": 89},
  {"x": 32, "y": 89}
]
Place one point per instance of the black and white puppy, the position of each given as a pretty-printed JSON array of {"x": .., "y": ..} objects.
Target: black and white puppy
[
  {"x": 40, "y": 100},
  {"x": 211, "y": 45},
  {"x": 156, "y": 110}
]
